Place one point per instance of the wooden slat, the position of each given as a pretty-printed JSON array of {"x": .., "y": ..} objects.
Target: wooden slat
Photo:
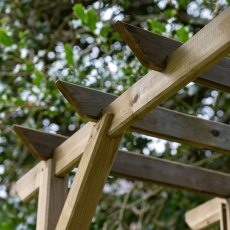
[
  {"x": 170, "y": 173},
  {"x": 28, "y": 185},
  {"x": 184, "y": 65},
  {"x": 52, "y": 196},
  {"x": 150, "y": 169},
  {"x": 41, "y": 144},
  {"x": 205, "y": 215},
  {"x": 91, "y": 175},
  {"x": 70, "y": 151},
  {"x": 152, "y": 50},
  {"x": 161, "y": 122}
]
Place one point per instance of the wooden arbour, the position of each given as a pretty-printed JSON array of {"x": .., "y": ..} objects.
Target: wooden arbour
[{"x": 94, "y": 147}]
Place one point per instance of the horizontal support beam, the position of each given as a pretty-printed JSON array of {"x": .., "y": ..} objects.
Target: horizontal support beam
[
  {"x": 161, "y": 122},
  {"x": 150, "y": 169},
  {"x": 205, "y": 214},
  {"x": 165, "y": 172},
  {"x": 152, "y": 50},
  {"x": 28, "y": 185},
  {"x": 67, "y": 155}
]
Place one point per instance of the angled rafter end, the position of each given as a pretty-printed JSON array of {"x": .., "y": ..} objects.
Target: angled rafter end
[
  {"x": 131, "y": 35},
  {"x": 152, "y": 50},
  {"x": 40, "y": 144}
]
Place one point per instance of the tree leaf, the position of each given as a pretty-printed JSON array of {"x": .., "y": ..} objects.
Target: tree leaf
[
  {"x": 5, "y": 39},
  {"x": 182, "y": 34},
  {"x": 38, "y": 78},
  {"x": 156, "y": 26},
  {"x": 91, "y": 19},
  {"x": 68, "y": 54},
  {"x": 79, "y": 12}
]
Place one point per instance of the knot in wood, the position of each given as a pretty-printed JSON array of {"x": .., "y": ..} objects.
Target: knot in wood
[
  {"x": 135, "y": 98},
  {"x": 215, "y": 133}
]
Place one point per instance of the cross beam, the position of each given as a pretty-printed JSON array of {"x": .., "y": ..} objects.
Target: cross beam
[
  {"x": 128, "y": 165},
  {"x": 161, "y": 122},
  {"x": 144, "y": 44}
]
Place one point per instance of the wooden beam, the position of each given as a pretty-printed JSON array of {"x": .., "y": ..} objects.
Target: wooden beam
[
  {"x": 184, "y": 65},
  {"x": 223, "y": 217},
  {"x": 206, "y": 214},
  {"x": 165, "y": 172},
  {"x": 28, "y": 185},
  {"x": 91, "y": 175},
  {"x": 70, "y": 152},
  {"x": 41, "y": 145},
  {"x": 51, "y": 198},
  {"x": 52, "y": 190},
  {"x": 153, "y": 50},
  {"x": 161, "y": 122},
  {"x": 150, "y": 169}
]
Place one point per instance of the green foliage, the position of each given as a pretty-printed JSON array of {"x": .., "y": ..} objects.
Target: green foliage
[
  {"x": 88, "y": 17},
  {"x": 156, "y": 26},
  {"x": 5, "y": 39},
  {"x": 69, "y": 54},
  {"x": 79, "y": 12},
  {"x": 183, "y": 34}
]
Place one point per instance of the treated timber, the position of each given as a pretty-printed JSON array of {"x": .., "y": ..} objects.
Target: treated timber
[
  {"x": 92, "y": 172},
  {"x": 225, "y": 219},
  {"x": 161, "y": 122},
  {"x": 224, "y": 222},
  {"x": 72, "y": 149},
  {"x": 39, "y": 148},
  {"x": 28, "y": 185},
  {"x": 207, "y": 214},
  {"x": 52, "y": 190},
  {"x": 150, "y": 169},
  {"x": 153, "y": 50},
  {"x": 184, "y": 65},
  {"x": 52, "y": 195}
]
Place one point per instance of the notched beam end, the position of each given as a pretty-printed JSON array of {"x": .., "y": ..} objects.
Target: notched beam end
[
  {"x": 71, "y": 94},
  {"x": 148, "y": 47},
  {"x": 88, "y": 103},
  {"x": 40, "y": 144}
]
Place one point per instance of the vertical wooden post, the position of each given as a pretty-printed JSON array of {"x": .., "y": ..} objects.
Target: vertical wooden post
[
  {"x": 225, "y": 215},
  {"x": 51, "y": 198},
  {"x": 89, "y": 181}
]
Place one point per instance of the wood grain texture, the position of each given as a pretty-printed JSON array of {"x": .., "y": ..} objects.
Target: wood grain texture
[
  {"x": 52, "y": 195},
  {"x": 91, "y": 175},
  {"x": 70, "y": 152},
  {"x": 165, "y": 172},
  {"x": 153, "y": 50},
  {"x": 150, "y": 169},
  {"x": 27, "y": 186},
  {"x": 184, "y": 65},
  {"x": 226, "y": 219},
  {"x": 41, "y": 145},
  {"x": 161, "y": 122},
  {"x": 224, "y": 222},
  {"x": 205, "y": 214}
]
